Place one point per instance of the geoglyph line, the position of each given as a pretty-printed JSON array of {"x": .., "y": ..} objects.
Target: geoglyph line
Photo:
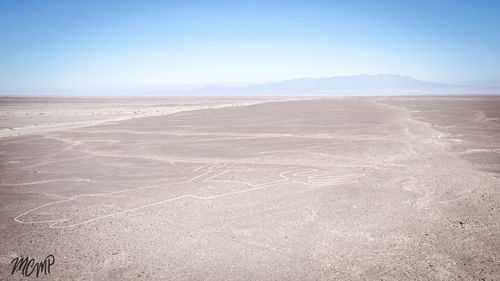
[{"x": 209, "y": 174}]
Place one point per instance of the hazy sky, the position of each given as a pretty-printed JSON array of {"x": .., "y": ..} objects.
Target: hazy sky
[{"x": 154, "y": 44}]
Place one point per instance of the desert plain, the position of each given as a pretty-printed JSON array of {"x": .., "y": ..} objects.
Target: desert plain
[{"x": 360, "y": 188}]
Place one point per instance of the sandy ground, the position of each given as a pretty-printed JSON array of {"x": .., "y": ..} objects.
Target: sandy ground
[
  {"x": 349, "y": 189},
  {"x": 28, "y": 115}
]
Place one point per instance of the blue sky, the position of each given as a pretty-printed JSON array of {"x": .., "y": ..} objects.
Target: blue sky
[{"x": 101, "y": 45}]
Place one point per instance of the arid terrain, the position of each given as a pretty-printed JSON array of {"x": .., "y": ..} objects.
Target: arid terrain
[{"x": 373, "y": 188}]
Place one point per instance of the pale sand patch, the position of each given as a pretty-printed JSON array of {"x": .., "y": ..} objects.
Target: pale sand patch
[{"x": 41, "y": 115}]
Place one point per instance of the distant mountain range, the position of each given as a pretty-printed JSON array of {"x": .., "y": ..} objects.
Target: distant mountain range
[
  {"x": 340, "y": 85},
  {"x": 358, "y": 85}
]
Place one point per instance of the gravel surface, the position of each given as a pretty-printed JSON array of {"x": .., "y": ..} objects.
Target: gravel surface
[{"x": 400, "y": 188}]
